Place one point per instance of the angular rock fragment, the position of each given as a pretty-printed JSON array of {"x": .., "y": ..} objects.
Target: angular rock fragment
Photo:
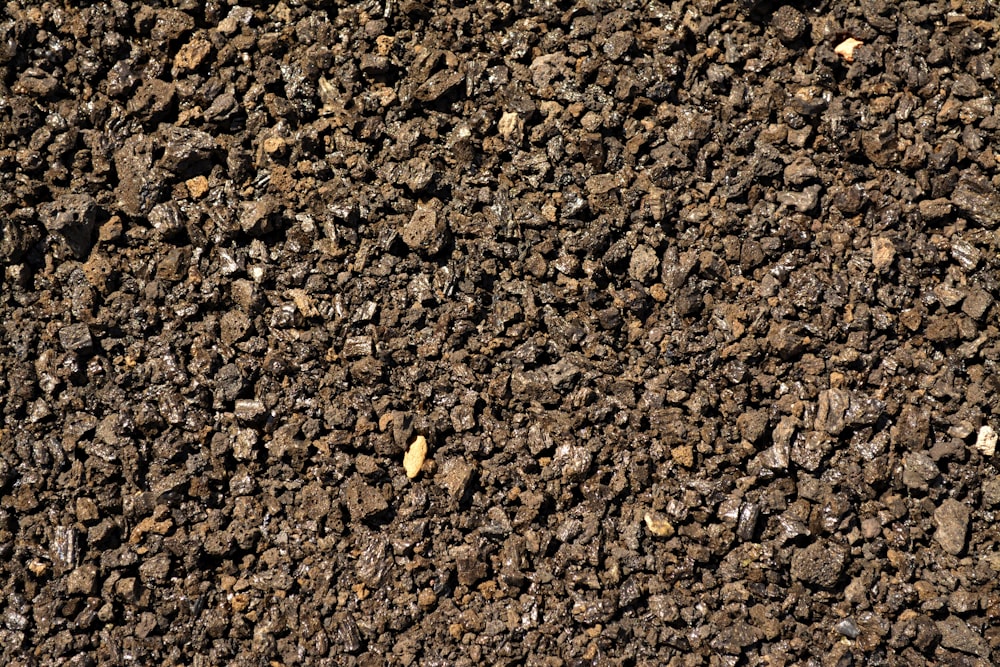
[
  {"x": 976, "y": 197},
  {"x": 956, "y": 634},
  {"x": 76, "y": 338},
  {"x": 819, "y": 564},
  {"x": 986, "y": 441},
  {"x": 71, "y": 217},
  {"x": 952, "y": 521},
  {"x": 426, "y": 232}
]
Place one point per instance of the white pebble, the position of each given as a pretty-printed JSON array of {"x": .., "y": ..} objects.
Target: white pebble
[{"x": 986, "y": 442}]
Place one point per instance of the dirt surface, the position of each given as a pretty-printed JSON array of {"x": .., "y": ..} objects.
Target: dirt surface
[{"x": 682, "y": 315}]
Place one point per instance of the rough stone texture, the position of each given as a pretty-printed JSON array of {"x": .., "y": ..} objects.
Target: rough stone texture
[
  {"x": 952, "y": 521},
  {"x": 696, "y": 313},
  {"x": 819, "y": 564}
]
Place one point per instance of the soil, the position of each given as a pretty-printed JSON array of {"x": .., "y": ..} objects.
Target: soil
[{"x": 682, "y": 314}]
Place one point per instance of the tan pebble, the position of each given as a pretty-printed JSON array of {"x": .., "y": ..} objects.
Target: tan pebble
[
  {"x": 190, "y": 56},
  {"x": 415, "y": 455},
  {"x": 883, "y": 253},
  {"x": 510, "y": 124},
  {"x": 683, "y": 455},
  {"x": 197, "y": 186},
  {"x": 426, "y": 598},
  {"x": 658, "y": 526},
  {"x": 274, "y": 145},
  {"x": 384, "y": 421},
  {"x": 986, "y": 442},
  {"x": 846, "y": 49}
]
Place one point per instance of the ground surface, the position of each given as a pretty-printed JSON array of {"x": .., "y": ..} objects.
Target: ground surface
[{"x": 696, "y": 316}]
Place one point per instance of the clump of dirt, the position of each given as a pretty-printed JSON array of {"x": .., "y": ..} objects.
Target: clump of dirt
[{"x": 682, "y": 316}]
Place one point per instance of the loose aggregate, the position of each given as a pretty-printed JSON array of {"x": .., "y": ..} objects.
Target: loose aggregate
[{"x": 681, "y": 317}]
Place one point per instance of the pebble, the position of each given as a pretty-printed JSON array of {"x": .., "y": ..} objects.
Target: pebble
[
  {"x": 986, "y": 441},
  {"x": 846, "y": 49},
  {"x": 426, "y": 231},
  {"x": 848, "y": 628},
  {"x": 819, "y": 564},
  {"x": 415, "y": 455},
  {"x": 883, "y": 253},
  {"x": 952, "y": 521},
  {"x": 956, "y": 634},
  {"x": 643, "y": 264},
  {"x": 81, "y": 581},
  {"x": 658, "y": 525},
  {"x": 76, "y": 338}
]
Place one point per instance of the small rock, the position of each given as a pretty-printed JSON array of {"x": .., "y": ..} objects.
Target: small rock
[
  {"x": 426, "y": 232},
  {"x": 789, "y": 23},
  {"x": 976, "y": 303},
  {"x": 600, "y": 184},
  {"x": 883, "y": 253},
  {"x": 510, "y": 125},
  {"x": 438, "y": 84},
  {"x": 572, "y": 462},
  {"x": 991, "y": 492},
  {"x": 274, "y": 146},
  {"x": 155, "y": 569},
  {"x": 72, "y": 218},
  {"x": 956, "y": 634},
  {"x": 81, "y": 580},
  {"x": 463, "y": 418},
  {"x": 658, "y": 526},
  {"x": 912, "y": 428},
  {"x": 469, "y": 568},
  {"x": 363, "y": 500},
  {"x": 249, "y": 410},
  {"x": 850, "y": 199},
  {"x": 800, "y": 171},
  {"x": 190, "y": 56},
  {"x": 804, "y": 201},
  {"x": 934, "y": 209},
  {"x": 358, "y": 346},
  {"x": 414, "y": 457},
  {"x": 846, "y": 49},
  {"x": 643, "y": 264},
  {"x": 918, "y": 470},
  {"x": 683, "y": 455},
  {"x": 197, "y": 187},
  {"x": 186, "y": 150},
  {"x": 76, "y": 338},
  {"x": 952, "y": 521},
  {"x": 167, "y": 220},
  {"x": 941, "y": 328},
  {"x": 455, "y": 476},
  {"x": 256, "y": 216},
  {"x": 618, "y": 44},
  {"x": 819, "y": 564},
  {"x": 978, "y": 199},
  {"x": 784, "y": 339},
  {"x": 848, "y": 628},
  {"x": 986, "y": 441},
  {"x": 966, "y": 254}
]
